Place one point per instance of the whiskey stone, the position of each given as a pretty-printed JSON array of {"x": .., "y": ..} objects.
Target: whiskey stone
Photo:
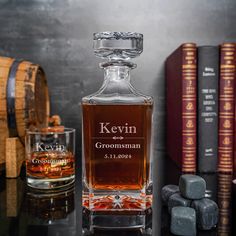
[
  {"x": 177, "y": 200},
  {"x": 167, "y": 191},
  {"x": 183, "y": 221},
  {"x": 207, "y": 213},
  {"x": 192, "y": 186}
]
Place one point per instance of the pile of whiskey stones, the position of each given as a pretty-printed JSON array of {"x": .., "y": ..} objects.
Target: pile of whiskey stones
[{"x": 188, "y": 206}]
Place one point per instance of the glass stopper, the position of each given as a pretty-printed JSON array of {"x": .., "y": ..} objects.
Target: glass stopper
[{"x": 117, "y": 45}]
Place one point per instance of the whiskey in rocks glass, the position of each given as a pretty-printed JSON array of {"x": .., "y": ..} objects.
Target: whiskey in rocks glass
[{"x": 50, "y": 158}]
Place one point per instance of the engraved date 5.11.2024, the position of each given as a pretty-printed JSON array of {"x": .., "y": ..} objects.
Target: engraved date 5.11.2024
[{"x": 119, "y": 156}]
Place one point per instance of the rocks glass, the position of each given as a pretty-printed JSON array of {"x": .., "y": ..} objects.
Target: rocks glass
[{"x": 50, "y": 158}]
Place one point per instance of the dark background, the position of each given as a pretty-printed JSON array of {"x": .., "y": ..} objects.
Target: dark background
[{"x": 58, "y": 35}]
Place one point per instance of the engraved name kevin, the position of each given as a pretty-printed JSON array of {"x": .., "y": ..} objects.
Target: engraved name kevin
[
  {"x": 107, "y": 128},
  {"x": 54, "y": 147}
]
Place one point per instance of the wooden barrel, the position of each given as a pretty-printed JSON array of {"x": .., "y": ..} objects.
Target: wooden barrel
[{"x": 24, "y": 99}]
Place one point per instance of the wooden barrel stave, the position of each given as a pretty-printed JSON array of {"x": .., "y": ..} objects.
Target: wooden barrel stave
[{"x": 30, "y": 109}]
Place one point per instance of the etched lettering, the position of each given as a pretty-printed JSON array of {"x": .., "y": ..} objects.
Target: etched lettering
[
  {"x": 40, "y": 147},
  {"x": 106, "y": 128}
]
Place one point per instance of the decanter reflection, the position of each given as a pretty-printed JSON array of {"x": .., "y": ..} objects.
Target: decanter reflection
[
  {"x": 118, "y": 232},
  {"x": 124, "y": 221}
]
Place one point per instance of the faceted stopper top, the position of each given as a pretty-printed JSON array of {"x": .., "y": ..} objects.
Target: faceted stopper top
[{"x": 117, "y": 45}]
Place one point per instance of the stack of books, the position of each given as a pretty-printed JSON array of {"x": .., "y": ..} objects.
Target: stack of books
[{"x": 200, "y": 83}]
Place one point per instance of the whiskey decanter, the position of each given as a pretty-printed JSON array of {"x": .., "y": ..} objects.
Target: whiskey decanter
[{"x": 117, "y": 122}]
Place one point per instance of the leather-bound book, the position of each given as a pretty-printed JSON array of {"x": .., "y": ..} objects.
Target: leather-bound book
[
  {"x": 181, "y": 106},
  {"x": 226, "y": 107},
  {"x": 234, "y": 157},
  {"x": 208, "y": 80}
]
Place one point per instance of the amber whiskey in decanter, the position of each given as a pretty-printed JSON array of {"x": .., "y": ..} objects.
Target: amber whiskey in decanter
[{"x": 117, "y": 124}]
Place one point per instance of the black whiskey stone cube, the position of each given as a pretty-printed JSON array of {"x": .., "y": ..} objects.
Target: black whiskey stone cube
[
  {"x": 167, "y": 191},
  {"x": 192, "y": 186},
  {"x": 183, "y": 221},
  {"x": 207, "y": 213},
  {"x": 177, "y": 200}
]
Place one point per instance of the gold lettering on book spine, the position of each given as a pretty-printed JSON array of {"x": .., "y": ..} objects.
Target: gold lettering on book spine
[
  {"x": 189, "y": 108},
  {"x": 189, "y": 124},
  {"x": 227, "y": 124},
  {"x": 226, "y": 105}
]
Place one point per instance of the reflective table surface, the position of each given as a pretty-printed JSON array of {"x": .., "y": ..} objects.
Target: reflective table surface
[{"x": 26, "y": 212}]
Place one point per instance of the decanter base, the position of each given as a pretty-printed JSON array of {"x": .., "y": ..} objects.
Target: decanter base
[{"x": 117, "y": 201}]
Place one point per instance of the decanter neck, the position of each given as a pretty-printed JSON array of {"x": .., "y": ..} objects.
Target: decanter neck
[{"x": 117, "y": 73}]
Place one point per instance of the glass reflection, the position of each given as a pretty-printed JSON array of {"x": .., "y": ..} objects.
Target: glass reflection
[
  {"x": 52, "y": 212},
  {"x": 50, "y": 207}
]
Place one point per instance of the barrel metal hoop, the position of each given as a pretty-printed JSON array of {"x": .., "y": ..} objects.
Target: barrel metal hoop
[{"x": 11, "y": 94}]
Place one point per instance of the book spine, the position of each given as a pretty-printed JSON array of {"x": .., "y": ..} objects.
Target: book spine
[
  {"x": 173, "y": 73},
  {"x": 226, "y": 108},
  {"x": 189, "y": 108},
  {"x": 234, "y": 158},
  {"x": 208, "y": 79}
]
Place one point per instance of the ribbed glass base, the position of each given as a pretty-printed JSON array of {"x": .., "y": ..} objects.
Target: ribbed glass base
[
  {"x": 117, "y": 201},
  {"x": 47, "y": 184}
]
